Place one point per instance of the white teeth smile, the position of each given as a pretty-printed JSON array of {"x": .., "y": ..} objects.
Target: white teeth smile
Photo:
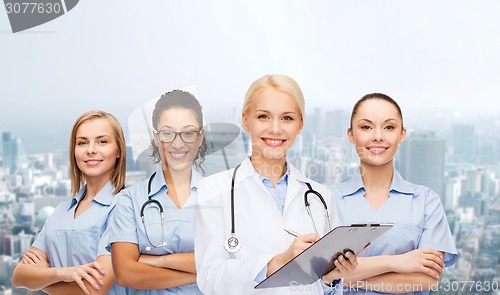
[
  {"x": 178, "y": 155},
  {"x": 273, "y": 141},
  {"x": 377, "y": 149},
  {"x": 93, "y": 162}
]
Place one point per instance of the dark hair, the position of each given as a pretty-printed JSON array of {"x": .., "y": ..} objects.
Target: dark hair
[
  {"x": 179, "y": 99},
  {"x": 376, "y": 96}
]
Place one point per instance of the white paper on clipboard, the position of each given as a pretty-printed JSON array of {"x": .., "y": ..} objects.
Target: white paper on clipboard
[{"x": 317, "y": 260}]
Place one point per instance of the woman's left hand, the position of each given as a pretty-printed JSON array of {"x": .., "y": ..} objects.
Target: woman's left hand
[
  {"x": 344, "y": 265},
  {"x": 32, "y": 258}
]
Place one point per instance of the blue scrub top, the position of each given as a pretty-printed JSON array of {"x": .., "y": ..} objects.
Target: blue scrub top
[
  {"x": 70, "y": 241},
  {"x": 415, "y": 211},
  {"x": 127, "y": 226}
]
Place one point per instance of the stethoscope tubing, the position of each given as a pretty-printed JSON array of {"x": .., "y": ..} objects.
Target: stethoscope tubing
[
  {"x": 232, "y": 244},
  {"x": 162, "y": 216},
  {"x": 308, "y": 206},
  {"x": 233, "y": 228}
]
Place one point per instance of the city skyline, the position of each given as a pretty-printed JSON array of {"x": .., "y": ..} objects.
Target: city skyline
[
  {"x": 435, "y": 57},
  {"x": 440, "y": 121},
  {"x": 466, "y": 174}
]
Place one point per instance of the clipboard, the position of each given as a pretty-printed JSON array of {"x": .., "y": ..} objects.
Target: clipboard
[{"x": 317, "y": 260}]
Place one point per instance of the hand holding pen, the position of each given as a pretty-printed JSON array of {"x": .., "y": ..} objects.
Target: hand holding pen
[
  {"x": 291, "y": 232},
  {"x": 299, "y": 244}
]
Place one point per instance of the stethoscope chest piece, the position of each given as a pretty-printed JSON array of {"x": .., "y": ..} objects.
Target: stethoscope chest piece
[{"x": 232, "y": 244}]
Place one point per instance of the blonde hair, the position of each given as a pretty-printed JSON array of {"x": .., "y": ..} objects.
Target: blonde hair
[
  {"x": 119, "y": 173},
  {"x": 278, "y": 82}
]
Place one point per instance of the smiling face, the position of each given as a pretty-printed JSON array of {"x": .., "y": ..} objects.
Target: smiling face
[
  {"x": 96, "y": 149},
  {"x": 376, "y": 132},
  {"x": 273, "y": 120},
  {"x": 178, "y": 155}
]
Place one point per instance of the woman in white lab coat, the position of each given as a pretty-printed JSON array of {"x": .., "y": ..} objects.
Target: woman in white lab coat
[{"x": 268, "y": 199}]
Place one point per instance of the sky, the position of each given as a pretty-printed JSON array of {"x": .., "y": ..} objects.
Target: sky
[{"x": 437, "y": 57}]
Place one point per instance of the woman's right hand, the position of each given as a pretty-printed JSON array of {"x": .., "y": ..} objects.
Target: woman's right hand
[
  {"x": 90, "y": 272},
  {"x": 298, "y": 246},
  {"x": 427, "y": 261}
]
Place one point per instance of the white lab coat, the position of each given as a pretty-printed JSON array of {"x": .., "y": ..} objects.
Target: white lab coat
[{"x": 259, "y": 226}]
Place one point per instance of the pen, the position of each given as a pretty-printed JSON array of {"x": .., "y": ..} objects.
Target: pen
[{"x": 291, "y": 232}]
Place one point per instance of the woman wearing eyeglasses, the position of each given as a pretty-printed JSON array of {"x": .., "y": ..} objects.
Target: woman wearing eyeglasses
[{"x": 152, "y": 231}]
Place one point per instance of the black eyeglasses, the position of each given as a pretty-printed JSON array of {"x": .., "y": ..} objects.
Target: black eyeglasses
[{"x": 188, "y": 136}]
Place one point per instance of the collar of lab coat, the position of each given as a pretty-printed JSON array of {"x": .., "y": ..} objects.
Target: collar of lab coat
[
  {"x": 296, "y": 180},
  {"x": 246, "y": 170}
]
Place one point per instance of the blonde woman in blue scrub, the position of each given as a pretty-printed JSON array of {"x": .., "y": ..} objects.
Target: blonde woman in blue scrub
[
  {"x": 152, "y": 237},
  {"x": 69, "y": 255},
  {"x": 411, "y": 256}
]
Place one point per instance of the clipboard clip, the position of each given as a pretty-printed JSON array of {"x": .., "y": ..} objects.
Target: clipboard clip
[{"x": 365, "y": 224}]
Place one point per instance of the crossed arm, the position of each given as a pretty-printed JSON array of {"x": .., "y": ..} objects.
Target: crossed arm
[
  {"x": 151, "y": 272},
  {"x": 417, "y": 270},
  {"x": 34, "y": 273}
]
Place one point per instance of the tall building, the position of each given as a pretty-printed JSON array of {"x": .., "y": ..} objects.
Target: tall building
[
  {"x": 313, "y": 122},
  {"x": 131, "y": 164},
  {"x": 1, "y": 147},
  {"x": 463, "y": 140},
  {"x": 10, "y": 245},
  {"x": 421, "y": 160},
  {"x": 452, "y": 194},
  {"x": 13, "y": 152},
  {"x": 472, "y": 181},
  {"x": 9, "y": 145},
  {"x": 336, "y": 124}
]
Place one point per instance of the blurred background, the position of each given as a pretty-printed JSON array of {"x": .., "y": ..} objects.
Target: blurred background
[{"x": 437, "y": 59}]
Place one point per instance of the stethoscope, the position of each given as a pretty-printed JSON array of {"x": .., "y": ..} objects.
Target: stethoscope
[
  {"x": 233, "y": 245},
  {"x": 160, "y": 209}
]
